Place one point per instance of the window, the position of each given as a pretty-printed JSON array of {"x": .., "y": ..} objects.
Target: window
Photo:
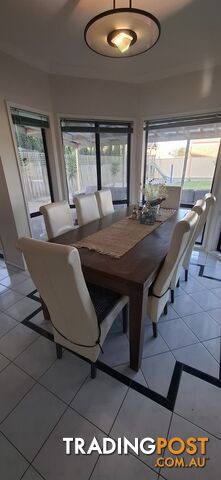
[
  {"x": 97, "y": 156},
  {"x": 30, "y": 137},
  {"x": 184, "y": 152}
]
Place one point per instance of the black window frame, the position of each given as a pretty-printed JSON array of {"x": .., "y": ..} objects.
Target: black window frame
[
  {"x": 32, "y": 119},
  {"x": 181, "y": 121},
  {"x": 97, "y": 127}
]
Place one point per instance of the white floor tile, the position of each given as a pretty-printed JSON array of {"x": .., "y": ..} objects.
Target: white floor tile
[
  {"x": 199, "y": 402},
  {"x": 192, "y": 286},
  {"x": 52, "y": 462},
  {"x": 122, "y": 467},
  {"x": 203, "y": 326},
  {"x": 25, "y": 287},
  {"x": 23, "y": 309},
  {"x": 6, "y": 324},
  {"x": 171, "y": 315},
  {"x": 40, "y": 321},
  {"x": 216, "y": 314},
  {"x": 12, "y": 280},
  {"x": 214, "y": 347},
  {"x": 9, "y": 298},
  {"x": 184, "y": 429},
  {"x": 3, "y": 288},
  {"x": 197, "y": 356},
  {"x": 37, "y": 358},
  {"x": 66, "y": 376},
  {"x": 14, "y": 384},
  {"x": 12, "y": 464},
  {"x": 158, "y": 371},
  {"x": 15, "y": 341},
  {"x": 208, "y": 301},
  {"x": 106, "y": 395},
  {"x": 3, "y": 273},
  {"x": 185, "y": 305},
  {"x": 30, "y": 423},
  {"x": 209, "y": 283},
  {"x": 31, "y": 474},
  {"x": 3, "y": 362},
  {"x": 141, "y": 417},
  {"x": 176, "y": 334},
  {"x": 116, "y": 349},
  {"x": 128, "y": 372},
  {"x": 153, "y": 346}
]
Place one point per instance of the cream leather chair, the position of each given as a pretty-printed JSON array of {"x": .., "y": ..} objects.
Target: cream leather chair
[
  {"x": 199, "y": 208},
  {"x": 209, "y": 201},
  {"x": 81, "y": 315},
  {"x": 104, "y": 201},
  {"x": 159, "y": 295},
  {"x": 86, "y": 208},
  {"x": 57, "y": 217},
  {"x": 173, "y": 199}
]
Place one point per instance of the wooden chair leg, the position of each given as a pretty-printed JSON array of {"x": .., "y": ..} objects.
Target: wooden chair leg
[
  {"x": 186, "y": 275},
  {"x": 93, "y": 370},
  {"x": 165, "y": 311},
  {"x": 155, "y": 333},
  {"x": 59, "y": 351},
  {"x": 172, "y": 296},
  {"x": 125, "y": 314}
]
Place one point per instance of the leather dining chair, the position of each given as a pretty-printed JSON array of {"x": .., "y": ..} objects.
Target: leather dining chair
[
  {"x": 81, "y": 314},
  {"x": 173, "y": 199},
  {"x": 57, "y": 217},
  {"x": 199, "y": 208},
  {"x": 209, "y": 200},
  {"x": 159, "y": 293},
  {"x": 86, "y": 208},
  {"x": 104, "y": 201}
]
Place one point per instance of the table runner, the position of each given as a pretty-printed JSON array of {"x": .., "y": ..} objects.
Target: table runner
[{"x": 122, "y": 236}]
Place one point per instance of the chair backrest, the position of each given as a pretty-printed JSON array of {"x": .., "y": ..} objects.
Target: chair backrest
[
  {"x": 179, "y": 241},
  {"x": 57, "y": 274},
  {"x": 58, "y": 218},
  {"x": 87, "y": 209},
  {"x": 202, "y": 207},
  {"x": 104, "y": 201},
  {"x": 173, "y": 199}
]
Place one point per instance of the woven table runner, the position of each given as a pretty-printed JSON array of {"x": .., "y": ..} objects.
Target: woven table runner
[{"x": 122, "y": 236}]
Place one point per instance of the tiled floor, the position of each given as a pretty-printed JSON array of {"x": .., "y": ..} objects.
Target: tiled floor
[{"x": 43, "y": 399}]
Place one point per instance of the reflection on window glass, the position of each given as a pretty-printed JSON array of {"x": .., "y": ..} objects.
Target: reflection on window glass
[
  {"x": 186, "y": 156},
  {"x": 33, "y": 166},
  {"x": 113, "y": 149},
  {"x": 80, "y": 163}
]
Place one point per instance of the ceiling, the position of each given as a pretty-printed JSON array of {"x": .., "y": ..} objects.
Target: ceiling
[{"x": 49, "y": 35}]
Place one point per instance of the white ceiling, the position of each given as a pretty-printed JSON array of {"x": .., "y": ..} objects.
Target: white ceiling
[{"x": 49, "y": 34}]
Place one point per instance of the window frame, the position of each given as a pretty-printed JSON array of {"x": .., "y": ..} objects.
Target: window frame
[{"x": 124, "y": 127}]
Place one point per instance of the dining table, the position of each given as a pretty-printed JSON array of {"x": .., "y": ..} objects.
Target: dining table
[{"x": 131, "y": 275}]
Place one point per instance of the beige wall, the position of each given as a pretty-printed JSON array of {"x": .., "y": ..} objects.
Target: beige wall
[{"x": 197, "y": 92}]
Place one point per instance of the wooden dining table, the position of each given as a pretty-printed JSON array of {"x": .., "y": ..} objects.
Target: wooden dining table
[{"x": 130, "y": 275}]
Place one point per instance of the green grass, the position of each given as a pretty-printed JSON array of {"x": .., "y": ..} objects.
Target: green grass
[{"x": 198, "y": 184}]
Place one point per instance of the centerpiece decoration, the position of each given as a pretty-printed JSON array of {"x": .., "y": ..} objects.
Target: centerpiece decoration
[{"x": 154, "y": 192}]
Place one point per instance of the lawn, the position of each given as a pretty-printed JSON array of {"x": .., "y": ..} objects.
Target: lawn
[{"x": 198, "y": 184}]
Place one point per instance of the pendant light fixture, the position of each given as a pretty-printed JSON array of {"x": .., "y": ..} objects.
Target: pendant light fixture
[{"x": 122, "y": 32}]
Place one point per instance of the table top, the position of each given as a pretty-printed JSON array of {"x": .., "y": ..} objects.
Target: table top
[{"x": 134, "y": 270}]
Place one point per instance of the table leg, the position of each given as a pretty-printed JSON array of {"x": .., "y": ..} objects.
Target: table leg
[
  {"x": 45, "y": 310},
  {"x": 137, "y": 312}
]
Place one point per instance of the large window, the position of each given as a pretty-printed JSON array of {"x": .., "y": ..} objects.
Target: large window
[
  {"x": 184, "y": 152},
  {"x": 30, "y": 134},
  {"x": 97, "y": 156}
]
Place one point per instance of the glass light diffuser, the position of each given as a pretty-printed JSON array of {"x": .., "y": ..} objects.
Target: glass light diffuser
[{"x": 122, "y": 41}]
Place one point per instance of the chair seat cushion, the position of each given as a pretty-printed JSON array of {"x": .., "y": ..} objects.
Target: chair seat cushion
[{"x": 103, "y": 300}]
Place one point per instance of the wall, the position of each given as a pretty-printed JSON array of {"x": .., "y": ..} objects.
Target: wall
[{"x": 26, "y": 86}]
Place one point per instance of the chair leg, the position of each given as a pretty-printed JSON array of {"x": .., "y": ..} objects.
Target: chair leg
[
  {"x": 165, "y": 311},
  {"x": 125, "y": 318},
  {"x": 172, "y": 296},
  {"x": 59, "y": 350},
  {"x": 155, "y": 333},
  {"x": 93, "y": 370},
  {"x": 178, "y": 283},
  {"x": 186, "y": 275}
]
